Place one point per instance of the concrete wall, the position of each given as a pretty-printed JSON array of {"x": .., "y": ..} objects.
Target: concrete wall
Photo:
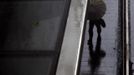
[
  {"x": 29, "y": 25},
  {"x": 32, "y": 25}
]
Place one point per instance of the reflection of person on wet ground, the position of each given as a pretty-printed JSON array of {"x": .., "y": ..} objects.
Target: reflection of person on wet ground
[{"x": 97, "y": 54}]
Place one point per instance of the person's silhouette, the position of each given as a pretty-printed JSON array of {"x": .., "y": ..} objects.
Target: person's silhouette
[
  {"x": 98, "y": 23},
  {"x": 95, "y": 11},
  {"x": 97, "y": 54}
]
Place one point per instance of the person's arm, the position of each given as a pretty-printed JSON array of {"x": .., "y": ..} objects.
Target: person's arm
[{"x": 102, "y": 22}]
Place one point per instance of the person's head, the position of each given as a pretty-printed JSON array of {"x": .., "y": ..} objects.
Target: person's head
[{"x": 96, "y": 9}]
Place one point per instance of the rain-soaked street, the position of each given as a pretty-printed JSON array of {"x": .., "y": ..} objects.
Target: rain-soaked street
[{"x": 103, "y": 62}]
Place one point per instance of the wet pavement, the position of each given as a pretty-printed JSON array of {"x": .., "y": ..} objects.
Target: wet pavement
[{"x": 103, "y": 62}]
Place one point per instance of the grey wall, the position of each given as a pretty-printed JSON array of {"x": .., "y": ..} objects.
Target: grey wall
[
  {"x": 29, "y": 25},
  {"x": 25, "y": 66},
  {"x": 33, "y": 24}
]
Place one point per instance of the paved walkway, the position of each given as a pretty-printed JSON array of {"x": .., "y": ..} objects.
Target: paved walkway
[{"x": 108, "y": 64}]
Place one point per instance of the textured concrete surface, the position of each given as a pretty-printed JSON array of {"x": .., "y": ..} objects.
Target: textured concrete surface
[
  {"x": 34, "y": 25},
  {"x": 30, "y": 25},
  {"x": 70, "y": 50}
]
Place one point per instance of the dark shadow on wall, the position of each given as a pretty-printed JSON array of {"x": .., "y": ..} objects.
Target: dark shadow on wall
[{"x": 97, "y": 54}]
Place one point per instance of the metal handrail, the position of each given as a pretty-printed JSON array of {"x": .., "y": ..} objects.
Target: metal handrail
[{"x": 126, "y": 37}]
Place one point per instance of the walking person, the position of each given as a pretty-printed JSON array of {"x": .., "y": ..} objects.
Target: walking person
[{"x": 95, "y": 11}]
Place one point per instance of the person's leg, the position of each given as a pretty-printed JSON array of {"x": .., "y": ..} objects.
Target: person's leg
[
  {"x": 98, "y": 49},
  {"x": 98, "y": 44},
  {"x": 90, "y": 44},
  {"x": 98, "y": 29},
  {"x": 90, "y": 31}
]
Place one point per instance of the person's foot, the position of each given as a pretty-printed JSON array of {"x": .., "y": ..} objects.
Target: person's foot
[{"x": 101, "y": 53}]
